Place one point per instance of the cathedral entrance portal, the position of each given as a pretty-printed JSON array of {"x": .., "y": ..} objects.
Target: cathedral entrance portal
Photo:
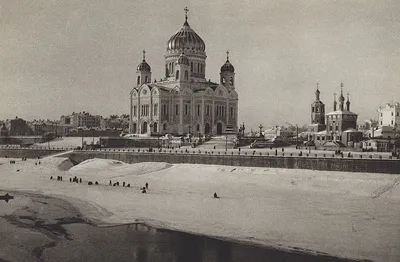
[
  {"x": 219, "y": 129},
  {"x": 207, "y": 129},
  {"x": 144, "y": 128}
]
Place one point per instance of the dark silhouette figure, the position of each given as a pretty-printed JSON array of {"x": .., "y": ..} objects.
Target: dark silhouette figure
[
  {"x": 110, "y": 183},
  {"x": 123, "y": 183},
  {"x": 35, "y": 164},
  {"x": 129, "y": 185},
  {"x": 70, "y": 180},
  {"x": 61, "y": 178},
  {"x": 114, "y": 184},
  {"x": 117, "y": 183},
  {"x": 80, "y": 180},
  {"x": 51, "y": 177},
  {"x": 39, "y": 162},
  {"x": 96, "y": 183},
  {"x": 144, "y": 191},
  {"x": 147, "y": 185},
  {"x": 215, "y": 195},
  {"x": 17, "y": 170},
  {"x": 90, "y": 183}
]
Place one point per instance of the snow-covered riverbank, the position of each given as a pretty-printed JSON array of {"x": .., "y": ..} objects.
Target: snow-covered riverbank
[{"x": 353, "y": 215}]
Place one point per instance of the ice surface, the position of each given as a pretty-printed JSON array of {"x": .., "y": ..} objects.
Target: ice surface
[{"x": 354, "y": 215}]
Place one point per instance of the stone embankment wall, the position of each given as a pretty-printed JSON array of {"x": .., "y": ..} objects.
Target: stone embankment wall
[
  {"x": 391, "y": 166},
  {"x": 28, "y": 153}
]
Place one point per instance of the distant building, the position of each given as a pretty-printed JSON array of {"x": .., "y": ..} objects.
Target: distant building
[
  {"x": 3, "y": 130},
  {"x": 278, "y": 132},
  {"x": 81, "y": 119},
  {"x": 377, "y": 145},
  {"x": 19, "y": 127},
  {"x": 389, "y": 115},
  {"x": 41, "y": 127}
]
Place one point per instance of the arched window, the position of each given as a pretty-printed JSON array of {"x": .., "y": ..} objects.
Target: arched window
[
  {"x": 201, "y": 68},
  {"x": 198, "y": 127},
  {"x": 198, "y": 67},
  {"x": 186, "y": 75},
  {"x": 146, "y": 79},
  {"x": 176, "y": 109},
  {"x": 191, "y": 66},
  {"x": 138, "y": 80},
  {"x": 177, "y": 74},
  {"x": 231, "y": 81},
  {"x": 223, "y": 80},
  {"x": 165, "y": 126},
  {"x": 198, "y": 110}
]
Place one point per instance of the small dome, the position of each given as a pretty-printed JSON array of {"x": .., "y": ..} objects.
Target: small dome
[
  {"x": 186, "y": 38},
  {"x": 227, "y": 67},
  {"x": 144, "y": 66},
  {"x": 183, "y": 60}
]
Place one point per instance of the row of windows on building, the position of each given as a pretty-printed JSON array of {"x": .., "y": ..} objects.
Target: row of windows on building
[
  {"x": 230, "y": 81},
  {"x": 322, "y": 138},
  {"x": 219, "y": 110},
  {"x": 397, "y": 114},
  {"x": 194, "y": 67},
  {"x": 390, "y": 122}
]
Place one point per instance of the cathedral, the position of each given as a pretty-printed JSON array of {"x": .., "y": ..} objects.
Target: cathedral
[{"x": 183, "y": 101}]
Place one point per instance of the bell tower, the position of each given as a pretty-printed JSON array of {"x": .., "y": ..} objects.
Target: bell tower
[
  {"x": 143, "y": 72},
  {"x": 227, "y": 74}
]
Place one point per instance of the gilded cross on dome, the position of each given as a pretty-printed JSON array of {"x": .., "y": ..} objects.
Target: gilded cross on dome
[
  {"x": 144, "y": 54},
  {"x": 227, "y": 55},
  {"x": 186, "y": 11}
]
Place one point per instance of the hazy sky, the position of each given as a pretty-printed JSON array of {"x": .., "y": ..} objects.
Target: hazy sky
[{"x": 60, "y": 56}]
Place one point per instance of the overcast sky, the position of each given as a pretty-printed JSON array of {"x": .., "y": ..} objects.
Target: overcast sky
[{"x": 60, "y": 56}]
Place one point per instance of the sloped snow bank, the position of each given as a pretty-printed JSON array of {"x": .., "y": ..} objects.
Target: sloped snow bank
[{"x": 344, "y": 214}]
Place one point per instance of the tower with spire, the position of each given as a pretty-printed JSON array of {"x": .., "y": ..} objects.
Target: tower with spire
[
  {"x": 317, "y": 113},
  {"x": 227, "y": 74},
  {"x": 143, "y": 71},
  {"x": 184, "y": 101}
]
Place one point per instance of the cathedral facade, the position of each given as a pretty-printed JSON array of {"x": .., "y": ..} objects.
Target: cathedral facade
[{"x": 183, "y": 101}]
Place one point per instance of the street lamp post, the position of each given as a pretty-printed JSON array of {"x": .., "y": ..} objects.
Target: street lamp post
[
  {"x": 82, "y": 139},
  {"x": 226, "y": 142},
  {"x": 260, "y": 127}
]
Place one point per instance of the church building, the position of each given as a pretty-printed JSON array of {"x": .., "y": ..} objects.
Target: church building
[
  {"x": 338, "y": 128},
  {"x": 183, "y": 101}
]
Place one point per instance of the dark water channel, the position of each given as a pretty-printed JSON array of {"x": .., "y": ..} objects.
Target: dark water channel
[{"x": 36, "y": 228}]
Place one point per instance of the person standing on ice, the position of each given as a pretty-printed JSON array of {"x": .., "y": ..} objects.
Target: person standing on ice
[
  {"x": 215, "y": 195},
  {"x": 147, "y": 186}
]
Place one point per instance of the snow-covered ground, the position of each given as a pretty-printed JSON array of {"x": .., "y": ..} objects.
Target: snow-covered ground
[
  {"x": 354, "y": 215},
  {"x": 67, "y": 142}
]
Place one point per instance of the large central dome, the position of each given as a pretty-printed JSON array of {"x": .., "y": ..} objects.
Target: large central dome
[{"x": 186, "y": 39}]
